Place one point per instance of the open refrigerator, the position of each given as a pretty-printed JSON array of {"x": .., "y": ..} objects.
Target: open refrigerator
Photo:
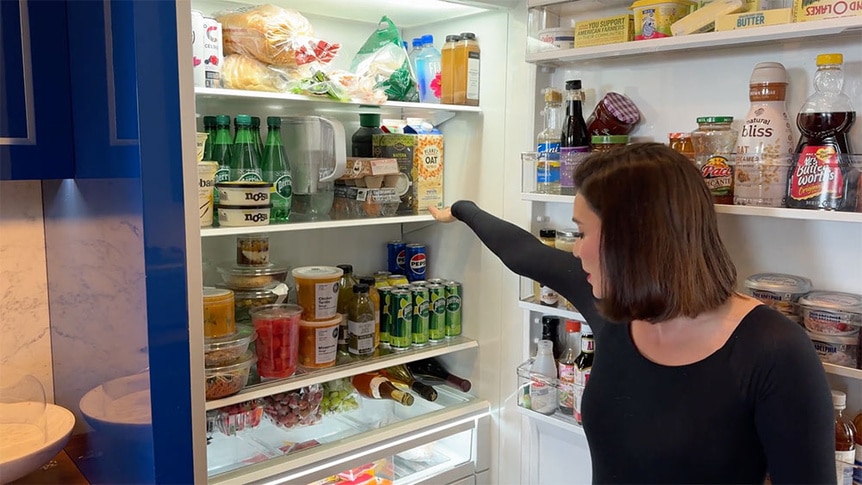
[{"x": 486, "y": 436}]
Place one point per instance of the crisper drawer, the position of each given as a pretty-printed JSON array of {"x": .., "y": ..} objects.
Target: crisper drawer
[{"x": 379, "y": 428}]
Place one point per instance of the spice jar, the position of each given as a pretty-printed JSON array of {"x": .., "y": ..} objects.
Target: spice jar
[
  {"x": 604, "y": 143},
  {"x": 713, "y": 142},
  {"x": 547, "y": 296},
  {"x": 615, "y": 114},
  {"x": 681, "y": 143}
]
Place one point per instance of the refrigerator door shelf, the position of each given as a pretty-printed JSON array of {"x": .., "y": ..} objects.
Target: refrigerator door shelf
[{"x": 379, "y": 428}]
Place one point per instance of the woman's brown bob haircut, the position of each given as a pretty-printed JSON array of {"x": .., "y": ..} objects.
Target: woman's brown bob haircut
[{"x": 662, "y": 256}]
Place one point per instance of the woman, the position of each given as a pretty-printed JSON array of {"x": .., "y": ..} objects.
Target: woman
[{"x": 691, "y": 382}]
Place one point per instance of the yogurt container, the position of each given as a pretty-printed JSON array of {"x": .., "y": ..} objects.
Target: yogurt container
[
  {"x": 832, "y": 313},
  {"x": 780, "y": 291}
]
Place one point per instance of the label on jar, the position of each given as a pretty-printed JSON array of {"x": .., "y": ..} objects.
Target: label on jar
[
  {"x": 718, "y": 176},
  {"x": 543, "y": 395},
  {"x": 548, "y": 296},
  {"x": 360, "y": 337},
  {"x": 567, "y": 382},
  {"x": 763, "y": 155},
  {"x": 326, "y": 341},
  {"x": 325, "y": 300}
]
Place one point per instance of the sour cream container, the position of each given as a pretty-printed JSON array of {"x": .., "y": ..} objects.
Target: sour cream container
[
  {"x": 780, "y": 291},
  {"x": 832, "y": 313}
]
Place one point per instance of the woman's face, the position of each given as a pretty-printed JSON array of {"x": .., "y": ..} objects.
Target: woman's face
[{"x": 586, "y": 247}]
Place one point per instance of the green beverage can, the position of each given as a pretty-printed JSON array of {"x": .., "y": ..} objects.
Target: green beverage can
[
  {"x": 437, "y": 318},
  {"x": 421, "y": 316},
  {"x": 385, "y": 293},
  {"x": 454, "y": 295},
  {"x": 419, "y": 283},
  {"x": 404, "y": 287},
  {"x": 436, "y": 281},
  {"x": 401, "y": 312}
]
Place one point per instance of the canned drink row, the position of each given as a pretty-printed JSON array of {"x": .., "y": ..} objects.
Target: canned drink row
[
  {"x": 410, "y": 260},
  {"x": 414, "y": 315}
]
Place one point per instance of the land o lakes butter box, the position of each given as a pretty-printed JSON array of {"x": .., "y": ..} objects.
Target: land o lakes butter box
[
  {"x": 607, "y": 30},
  {"x": 805, "y": 10},
  {"x": 747, "y": 20},
  {"x": 420, "y": 163}
]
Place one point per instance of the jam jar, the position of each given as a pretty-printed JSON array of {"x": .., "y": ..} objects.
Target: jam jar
[{"x": 713, "y": 142}]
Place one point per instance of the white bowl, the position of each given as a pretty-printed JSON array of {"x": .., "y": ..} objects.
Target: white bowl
[
  {"x": 119, "y": 405},
  {"x": 26, "y": 447}
]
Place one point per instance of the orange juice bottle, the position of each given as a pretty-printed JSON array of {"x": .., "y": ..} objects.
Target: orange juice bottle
[
  {"x": 448, "y": 69},
  {"x": 466, "y": 70}
]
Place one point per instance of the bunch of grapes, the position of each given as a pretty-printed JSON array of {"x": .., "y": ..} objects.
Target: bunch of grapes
[
  {"x": 300, "y": 407},
  {"x": 339, "y": 396}
]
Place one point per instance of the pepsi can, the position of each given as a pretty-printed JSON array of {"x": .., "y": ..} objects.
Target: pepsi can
[
  {"x": 416, "y": 261},
  {"x": 395, "y": 256}
]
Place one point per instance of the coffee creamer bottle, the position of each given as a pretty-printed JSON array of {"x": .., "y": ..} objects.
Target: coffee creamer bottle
[{"x": 764, "y": 147}]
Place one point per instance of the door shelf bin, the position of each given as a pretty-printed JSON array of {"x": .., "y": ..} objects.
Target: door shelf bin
[{"x": 523, "y": 395}]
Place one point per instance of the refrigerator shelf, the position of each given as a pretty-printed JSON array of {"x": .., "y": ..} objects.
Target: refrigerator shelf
[
  {"x": 843, "y": 371},
  {"x": 556, "y": 420},
  {"x": 377, "y": 429},
  {"x": 530, "y": 304},
  {"x": 316, "y": 376},
  {"x": 699, "y": 42},
  {"x": 312, "y": 225}
]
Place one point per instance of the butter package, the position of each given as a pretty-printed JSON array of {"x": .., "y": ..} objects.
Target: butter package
[
  {"x": 805, "y": 10},
  {"x": 420, "y": 163},
  {"x": 704, "y": 18},
  {"x": 747, "y": 20},
  {"x": 607, "y": 30}
]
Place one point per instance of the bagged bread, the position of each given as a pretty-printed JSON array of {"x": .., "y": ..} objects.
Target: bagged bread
[
  {"x": 243, "y": 72},
  {"x": 274, "y": 35}
]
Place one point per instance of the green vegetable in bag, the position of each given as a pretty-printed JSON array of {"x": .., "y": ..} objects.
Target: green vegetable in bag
[{"x": 384, "y": 59}]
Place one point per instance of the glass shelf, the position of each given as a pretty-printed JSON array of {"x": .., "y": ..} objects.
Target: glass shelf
[
  {"x": 387, "y": 358},
  {"x": 314, "y": 225},
  {"x": 532, "y": 305}
]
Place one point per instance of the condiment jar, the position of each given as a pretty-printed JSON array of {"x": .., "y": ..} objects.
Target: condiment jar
[
  {"x": 615, "y": 114},
  {"x": 681, "y": 143},
  {"x": 604, "y": 143},
  {"x": 565, "y": 240},
  {"x": 546, "y": 295},
  {"x": 714, "y": 140}
]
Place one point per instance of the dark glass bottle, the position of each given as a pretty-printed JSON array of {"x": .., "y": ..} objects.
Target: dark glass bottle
[
  {"x": 401, "y": 374},
  {"x": 210, "y": 129},
  {"x": 244, "y": 159},
  {"x": 275, "y": 169},
  {"x": 583, "y": 367},
  {"x": 432, "y": 368},
  {"x": 550, "y": 331},
  {"x": 369, "y": 125},
  {"x": 575, "y": 140}
]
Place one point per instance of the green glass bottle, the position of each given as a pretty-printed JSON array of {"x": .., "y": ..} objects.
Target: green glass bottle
[
  {"x": 210, "y": 129},
  {"x": 220, "y": 153},
  {"x": 244, "y": 159},
  {"x": 255, "y": 133},
  {"x": 276, "y": 170}
]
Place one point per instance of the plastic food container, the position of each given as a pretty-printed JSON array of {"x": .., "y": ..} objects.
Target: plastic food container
[
  {"x": 300, "y": 407},
  {"x": 229, "y": 379},
  {"x": 246, "y": 299},
  {"x": 837, "y": 350},
  {"x": 832, "y": 313},
  {"x": 239, "y": 417},
  {"x": 318, "y": 342},
  {"x": 277, "y": 346},
  {"x": 653, "y": 18},
  {"x": 248, "y": 194},
  {"x": 559, "y": 37},
  {"x": 565, "y": 239},
  {"x": 219, "y": 318},
  {"x": 241, "y": 216},
  {"x": 317, "y": 291},
  {"x": 252, "y": 277},
  {"x": 224, "y": 350},
  {"x": 615, "y": 114},
  {"x": 780, "y": 291},
  {"x": 252, "y": 250}
]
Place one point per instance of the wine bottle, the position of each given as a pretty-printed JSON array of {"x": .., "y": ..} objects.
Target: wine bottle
[
  {"x": 401, "y": 374},
  {"x": 432, "y": 368},
  {"x": 374, "y": 385}
]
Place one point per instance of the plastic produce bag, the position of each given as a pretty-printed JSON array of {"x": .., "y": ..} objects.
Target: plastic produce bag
[
  {"x": 243, "y": 72},
  {"x": 300, "y": 407},
  {"x": 339, "y": 396},
  {"x": 274, "y": 35},
  {"x": 318, "y": 84},
  {"x": 384, "y": 60}
]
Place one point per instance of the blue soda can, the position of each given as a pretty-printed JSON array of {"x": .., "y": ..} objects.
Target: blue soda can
[
  {"x": 395, "y": 256},
  {"x": 416, "y": 261}
]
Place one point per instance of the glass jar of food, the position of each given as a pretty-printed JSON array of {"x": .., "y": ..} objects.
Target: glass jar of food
[
  {"x": 713, "y": 141},
  {"x": 680, "y": 142},
  {"x": 604, "y": 143},
  {"x": 615, "y": 114},
  {"x": 565, "y": 240}
]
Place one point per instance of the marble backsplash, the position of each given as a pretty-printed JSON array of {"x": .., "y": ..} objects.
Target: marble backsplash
[{"x": 25, "y": 335}]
